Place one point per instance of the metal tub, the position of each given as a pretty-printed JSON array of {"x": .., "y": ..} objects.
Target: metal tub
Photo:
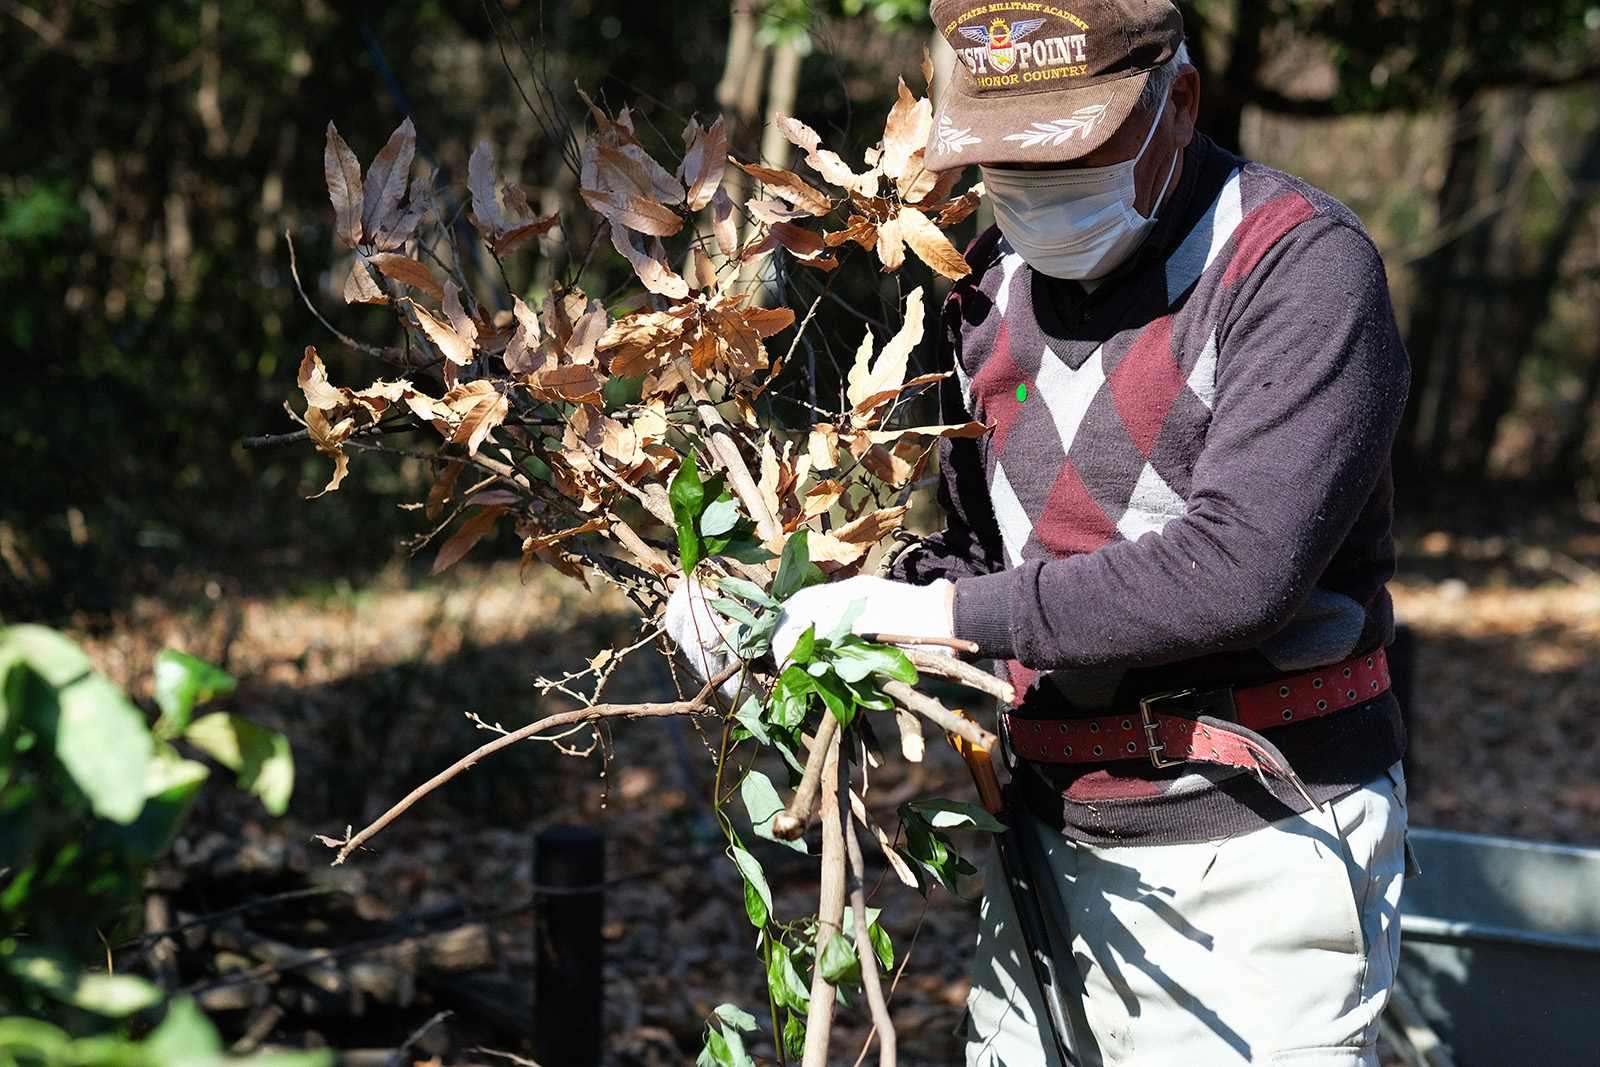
[{"x": 1499, "y": 954}]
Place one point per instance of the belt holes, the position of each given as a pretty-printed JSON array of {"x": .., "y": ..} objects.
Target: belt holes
[
  {"x": 1188, "y": 750},
  {"x": 1316, "y": 683},
  {"x": 1347, "y": 672},
  {"x": 1132, "y": 747},
  {"x": 1098, "y": 750},
  {"x": 1283, "y": 690},
  {"x": 1351, "y": 695},
  {"x": 1127, "y": 724},
  {"x": 1288, "y": 713},
  {"x": 1094, "y": 728},
  {"x": 1037, "y": 728},
  {"x": 1369, "y": 661},
  {"x": 1062, "y": 728},
  {"x": 1066, "y": 750},
  {"x": 1374, "y": 686},
  {"x": 1205, "y": 731},
  {"x": 1322, "y": 705}
]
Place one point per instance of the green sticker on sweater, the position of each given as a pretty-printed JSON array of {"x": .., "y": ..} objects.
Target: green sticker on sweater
[{"x": 1022, "y": 391}]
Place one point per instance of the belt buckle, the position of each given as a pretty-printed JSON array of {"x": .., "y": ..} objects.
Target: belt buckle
[{"x": 1216, "y": 702}]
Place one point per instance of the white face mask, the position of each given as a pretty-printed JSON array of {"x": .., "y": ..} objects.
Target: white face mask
[{"x": 1073, "y": 222}]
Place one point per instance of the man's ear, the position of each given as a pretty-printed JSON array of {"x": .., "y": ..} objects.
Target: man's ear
[{"x": 1186, "y": 102}]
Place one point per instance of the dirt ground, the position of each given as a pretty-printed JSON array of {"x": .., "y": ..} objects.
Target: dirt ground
[{"x": 376, "y": 688}]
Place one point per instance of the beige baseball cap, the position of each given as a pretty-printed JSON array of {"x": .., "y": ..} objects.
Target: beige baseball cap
[{"x": 1044, "y": 82}]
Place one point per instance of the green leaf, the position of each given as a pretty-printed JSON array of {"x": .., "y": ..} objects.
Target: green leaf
[
  {"x": 855, "y": 660},
  {"x": 795, "y": 569},
  {"x": 805, "y": 646},
  {"x": 794, "y": 1036},
  {"x": 757, "y": 894},
  {"x": 103, "y": 743},
  {"x": 838, "y": 961},
  {"x": 33, "y": 1035},
  {"x": 788, "y": 987},
  {"x": 184, "y": 681},
  {"x": 837, "y": 697},
  {"x": 735, "y": 1016},
  {"x": 185, "y": 1038},
  {"x": 719, "y": 517},
  {"x": 882, "y": 945},
  {"x": 57, "y": 659},
  {"x": 761, "y": 803},
  {"x": 687, "y": 497},
  {"x": 115, "y": 995},
  {"x": 951, "y": 814},
  {"x": 739, "y": 587},
  {"x": 258, "y": 756}
]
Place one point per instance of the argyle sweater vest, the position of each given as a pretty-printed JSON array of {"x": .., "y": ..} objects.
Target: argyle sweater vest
[{"x": 1102, "y": 409}]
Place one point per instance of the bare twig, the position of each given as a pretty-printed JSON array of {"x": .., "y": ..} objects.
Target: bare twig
[
  {"x": 865, "y": 954},
  {"x": 294, "y": 272},
  {"x": 720, "y": 439},
  {"x": 698, "y": 704}
]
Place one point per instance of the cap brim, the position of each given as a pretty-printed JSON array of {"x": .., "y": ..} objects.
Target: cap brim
[{"x": 1043, "y": 127}]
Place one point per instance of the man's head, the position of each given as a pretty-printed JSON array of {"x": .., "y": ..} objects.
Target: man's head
[{"x": 1047, "y": 83}]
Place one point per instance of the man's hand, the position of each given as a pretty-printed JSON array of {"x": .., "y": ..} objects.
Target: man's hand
[
  {"x": 698, "y": 629},
  {"x": 896, "y": 608}
]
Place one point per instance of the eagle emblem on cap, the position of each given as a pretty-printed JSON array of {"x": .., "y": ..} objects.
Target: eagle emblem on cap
[{"x": 1000, "y": 37}]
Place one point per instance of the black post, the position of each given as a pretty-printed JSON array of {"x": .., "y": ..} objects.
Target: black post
[{"x": 568, "y": 946}]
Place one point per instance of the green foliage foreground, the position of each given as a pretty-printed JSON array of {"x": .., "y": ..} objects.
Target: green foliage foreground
[{"x": 90, "y": 796}]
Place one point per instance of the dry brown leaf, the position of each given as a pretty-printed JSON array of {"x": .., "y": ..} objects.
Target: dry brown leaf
[
  {"x": 471, "y": 533},
  {"x": 521, "y": 354},
  {"x": 635, "y": 212},
  {"x": 386, "y": 180},
  {"x": 651, "y": 270},
  {"x": 480, "y": 184},
  {"x": 791, "y": 188},
  {"x": 407, "y": 271},
  {"x": 343, "y": 173},
  {"x": 917, "y": 182},
  {"x": 460, "y": 321},
  {"x": 359, "y": 288},
  {"x": 574, "y": 383},
  {"x": 872, "y": 528},
  {"x": 396, "y": 230},
  {"x": 521, "y": 235},
  {"x": 823, "y": 446},
  {"x": 957, "y": 210},
  {"x": 443, "y": 487},
  {"x": 313, "y": 382},
  {"x": 891, "y": 245},
  {"x": 821, "y": 497},
  {"x": 775, "y": 211},
  {"x": 828, "y": 164},
  {"x": 723, "y": 228},
  {"x": 909, "y": 123},
  {"x": 452, "y": 346},
  {"x": 478, "y": 407},
  {"x": 327, "y": 438},
  {"x": 873, "y": 382},
  {"x": 931, "y": 245},
  {"x": 646, "y": 342},
  {"x": 768, "y": 321},
  {"x": 705, "y": 154},
  {"x": 804, "y": 245}
]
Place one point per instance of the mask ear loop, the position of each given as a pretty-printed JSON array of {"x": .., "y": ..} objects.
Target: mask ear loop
[{"x": 1170, "y": 167}]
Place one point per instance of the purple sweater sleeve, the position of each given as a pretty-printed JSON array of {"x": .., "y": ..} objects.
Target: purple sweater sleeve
[{"x": 1311, "y": 380}]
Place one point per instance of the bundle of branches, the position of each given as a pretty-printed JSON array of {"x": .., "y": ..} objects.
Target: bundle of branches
[{"x": 627, "y": 443}]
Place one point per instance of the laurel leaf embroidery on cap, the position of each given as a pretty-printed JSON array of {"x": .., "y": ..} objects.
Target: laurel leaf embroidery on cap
[
  {"x": 952, "y": 139},
  {"x": 1080, "y": 122}
]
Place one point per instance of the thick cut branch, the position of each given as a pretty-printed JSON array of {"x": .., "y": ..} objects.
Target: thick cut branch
[
  {"x": 939, "y": 715},
  {"x": 961, "y": 671},
  {"x": 790, "y": 823},
  {"x": 830, "y": 910}
]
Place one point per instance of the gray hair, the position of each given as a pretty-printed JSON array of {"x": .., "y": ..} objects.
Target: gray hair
[{"x": 1160, "y": 81}]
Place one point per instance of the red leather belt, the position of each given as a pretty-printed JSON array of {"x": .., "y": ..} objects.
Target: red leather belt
[{"x": 1210, "y": 725}]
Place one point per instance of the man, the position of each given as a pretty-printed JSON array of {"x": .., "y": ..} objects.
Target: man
[{"x": 1176, "y": 538}]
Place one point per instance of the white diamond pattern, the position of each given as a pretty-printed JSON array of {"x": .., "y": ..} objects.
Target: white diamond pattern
[
  {"x": 1203, "y": 379},
  {"x": 1206, "y": 240},
  {"x": 1009, "y": 514},
  {"x": 1067, "y": 392},
  {"x": 1151, "y": 507}
]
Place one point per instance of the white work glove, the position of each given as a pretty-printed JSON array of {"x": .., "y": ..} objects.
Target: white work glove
[
  {"x": 889, "y": 607},
  {"x": 698, "y": 629}
]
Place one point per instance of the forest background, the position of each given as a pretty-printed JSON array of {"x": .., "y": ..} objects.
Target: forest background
[{"x": 157, "y": 155}]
